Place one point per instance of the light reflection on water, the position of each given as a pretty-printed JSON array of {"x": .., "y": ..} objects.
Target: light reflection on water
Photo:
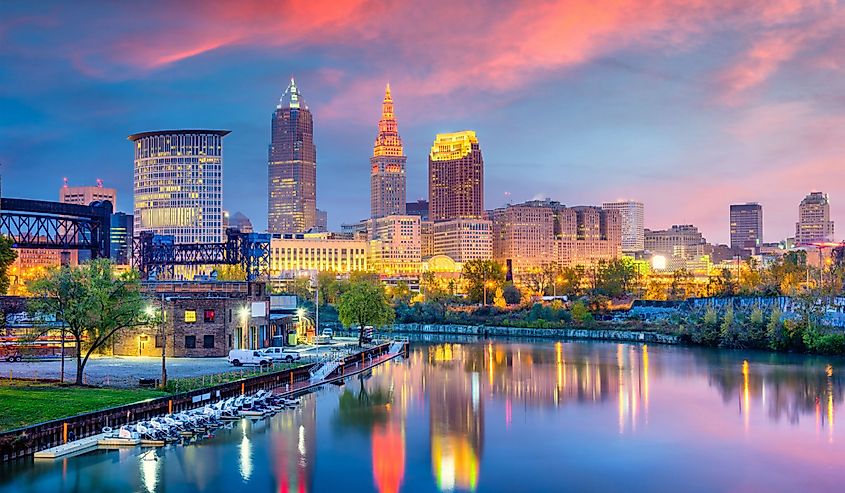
[{"x": 501, "y": 416}]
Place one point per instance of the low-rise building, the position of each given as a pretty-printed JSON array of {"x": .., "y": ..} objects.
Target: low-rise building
[
  {"x": 201, "y": 319},
  {"x": 463, "y": 239},
  {"x": 292, "y": 255}
]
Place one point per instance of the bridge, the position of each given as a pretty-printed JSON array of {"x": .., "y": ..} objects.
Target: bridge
[
  {"x": 156, "y": 256},
  {"x": 57, "y": 226}
]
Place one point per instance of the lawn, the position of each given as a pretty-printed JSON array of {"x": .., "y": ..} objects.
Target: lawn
[{"x": 25, "y": 403}]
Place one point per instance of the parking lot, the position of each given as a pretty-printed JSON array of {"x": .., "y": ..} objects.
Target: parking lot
[{"x": 125, "y": 371}]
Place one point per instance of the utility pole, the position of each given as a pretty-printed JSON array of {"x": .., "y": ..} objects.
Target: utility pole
[{"x": 163, "y": 346}]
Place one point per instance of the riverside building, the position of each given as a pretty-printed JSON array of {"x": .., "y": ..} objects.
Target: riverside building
[
  {"x": 632, "y": 216},
  {"x": 178, "y": 184}
]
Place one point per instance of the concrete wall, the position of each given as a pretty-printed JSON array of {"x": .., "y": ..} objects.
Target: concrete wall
[{"x": 571, "y": 333}]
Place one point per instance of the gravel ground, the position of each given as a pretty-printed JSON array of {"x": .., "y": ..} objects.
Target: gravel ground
[{"x": 125, "y": 371}]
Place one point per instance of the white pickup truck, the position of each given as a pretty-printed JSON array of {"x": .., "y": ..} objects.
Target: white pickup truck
[
  {"x": 282, "y": 354},
  {"x": 240, "y": 357}
]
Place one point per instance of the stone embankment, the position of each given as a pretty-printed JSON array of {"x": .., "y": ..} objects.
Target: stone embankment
[{"x": 572, "y": 333}]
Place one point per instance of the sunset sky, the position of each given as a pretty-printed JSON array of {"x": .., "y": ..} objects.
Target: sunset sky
[{"x": 686, "y": 106}]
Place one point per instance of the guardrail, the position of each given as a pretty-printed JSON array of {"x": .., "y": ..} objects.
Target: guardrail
[{"x": 26, "y": 441}]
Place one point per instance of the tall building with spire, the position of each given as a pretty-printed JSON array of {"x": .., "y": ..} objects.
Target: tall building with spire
[
  {"x": 387, "y": 166},
  {"x": 292, "y": 163}
]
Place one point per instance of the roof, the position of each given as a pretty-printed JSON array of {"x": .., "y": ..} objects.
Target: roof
[{"x": 141, "y": 135}]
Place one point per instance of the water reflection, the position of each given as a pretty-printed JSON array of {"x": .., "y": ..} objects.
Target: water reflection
[{"x": 514, "y": 416}]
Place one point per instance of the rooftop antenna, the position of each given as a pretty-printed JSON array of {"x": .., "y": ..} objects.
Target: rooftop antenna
[
  {"x": 99, "y": 183},
  {"x": 65, "y": 180}
]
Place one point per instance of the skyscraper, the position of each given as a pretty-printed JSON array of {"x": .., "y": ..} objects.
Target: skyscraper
[
  {"x": 292, "y": 166},
  {"x": 814, "y": 224},
  {"x": 121, "y": 238},
  {"x": 387, "y": 166},
  {"x": 746, "y": 226},
  {"x": 631, "y": 213},
  {"x": 179, "y": 184},
  {"x": 456, "y": 177}
]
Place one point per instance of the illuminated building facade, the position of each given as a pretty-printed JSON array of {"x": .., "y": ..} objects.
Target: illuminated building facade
[
  {"x": 387, "y": 166},
  {"x": 463, "y": 239},
  {"x": 292, "y": 166},
  {"x": 426, "y": 238},
  {"x": 746, "y": 226},
  {"x": 814, "y": 224},
  {"x": 455, "y": 177},
  {"x": 395, "y": 245},
  {"x": 632, "y": 216},
  {"x": 178, "y": 184},
  {"x": 294, "y": 254},
  {"x": 540, "y": 232},
  {"x": 682, "y": 240}
]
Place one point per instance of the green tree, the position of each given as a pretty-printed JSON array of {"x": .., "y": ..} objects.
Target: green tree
[
  {"x": 230, "y": 273},
  {"x": 400, "y": 293},
  {"x": 93, "y": 304},
  {"x": 301, "y": 288},
  {"x": 7, "y": 258},
  {"x": 329, "y": 287},
  {"x": 571, "y": 279},
  {"x": 512, "y": 294},
  {"x": 614, "y": 277},
  {"x": 580, "y": 313},
  {"x": 482, "y": 276},
  {"x": 364, "y": 303}
]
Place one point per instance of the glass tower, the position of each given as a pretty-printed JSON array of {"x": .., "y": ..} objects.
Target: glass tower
[
  {"x": 292, "y": 166},
  {"x": 178, "y": 184}
]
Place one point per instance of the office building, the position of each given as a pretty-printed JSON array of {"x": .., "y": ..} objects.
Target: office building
[
  {"x": 178, "y": 184},
  {"x": 455, "y": 177},
  {"x": 632, "y": 216},
  {"x": 395, "y": 247},
  {"x": 292, "y": 166},
  {"x": 814, "y": 224},
  {"x": 746, "y": 226},
  {"x": 418, "y": 208},
  {"x": 292, "y": 255},
  {"x": 121, "y": 232},
  {"x": 84, "y": 195},
  {"x": 387, "y": 166},
  {"x": 463, "y": 240},
  {"x": 322, "y": 221},
  {"x": 681, "y": 240}
]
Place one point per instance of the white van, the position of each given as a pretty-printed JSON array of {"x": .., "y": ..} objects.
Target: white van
[
  {"x": 282, "y": 354},
  {"x": 239, "y": 357}
]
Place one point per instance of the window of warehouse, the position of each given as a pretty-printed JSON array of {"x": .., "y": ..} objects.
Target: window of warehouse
[
  {"x": 190, "y": 316},
  {"x": 190, "y": 342},
  {"x": 208, "y": 341}
]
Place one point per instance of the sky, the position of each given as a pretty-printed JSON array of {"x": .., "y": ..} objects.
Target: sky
[{"x": 687, "y": 106}]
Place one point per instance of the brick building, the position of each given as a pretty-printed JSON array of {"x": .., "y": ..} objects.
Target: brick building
[{"x": 201, "y": 319}]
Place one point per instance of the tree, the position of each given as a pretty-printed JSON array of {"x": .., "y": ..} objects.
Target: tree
[
  {"x": 400, "y": 293},
  {"x": 301, "y": 288},
  {"x": 92, "y": 302},
  {"x": 329, "y": 287},
  {"x": 482, "y": 276},
  {"x": 614, "y": 277},
  {"x": 364, "y": 303},
  {"x": 7, "y": 258},
  {"x": 512, "y": 294},
  {"x": 499, "y": 299},
  {"x": 570, "y": 280},
  {"x": 230, "y": 273}
]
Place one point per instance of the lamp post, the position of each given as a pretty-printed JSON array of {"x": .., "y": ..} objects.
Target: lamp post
[{"x": 159, "y": 319}]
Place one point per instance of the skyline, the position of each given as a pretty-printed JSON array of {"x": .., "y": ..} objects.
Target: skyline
[{"x": 710, "y": 106}]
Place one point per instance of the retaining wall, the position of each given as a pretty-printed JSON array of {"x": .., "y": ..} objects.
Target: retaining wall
[{"x": 571, "y": 333}]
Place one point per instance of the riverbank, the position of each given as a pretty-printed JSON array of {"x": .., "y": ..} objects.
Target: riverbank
[{"x": 601, "y": 334}]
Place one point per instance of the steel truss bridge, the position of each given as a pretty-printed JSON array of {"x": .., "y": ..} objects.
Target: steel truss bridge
[
  {"x": 57, "y": 226},
  {"x": 156, "y": 256}
]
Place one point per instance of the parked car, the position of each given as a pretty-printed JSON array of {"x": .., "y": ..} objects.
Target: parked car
[
  {"x": 282, "y": 354},
  {"x": 239, "y": 357},
  {"x": 328, "y": 332}
]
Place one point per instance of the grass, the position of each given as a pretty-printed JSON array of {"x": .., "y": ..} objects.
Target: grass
[{"x": 27, "y": 403}]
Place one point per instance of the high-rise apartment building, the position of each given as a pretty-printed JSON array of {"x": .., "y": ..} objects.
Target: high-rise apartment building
[
  {"x": 814, "y": 224},
  {"x": 178, "y": 184},
  {"x": 681, "y": 240},
  {"x": 631, "y": 214},
  {"x": 455, "y": 177},
  {"x": 387, "y": 166},
  {"x": 292, "y": 166},
  {"x": 746, "y": 226}
]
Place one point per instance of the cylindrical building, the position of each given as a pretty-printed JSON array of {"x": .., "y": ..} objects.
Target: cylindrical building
[{"x": 179, "y": 184}]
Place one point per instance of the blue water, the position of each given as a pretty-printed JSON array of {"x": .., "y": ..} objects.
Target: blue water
[{"x": 513, "y": 416}]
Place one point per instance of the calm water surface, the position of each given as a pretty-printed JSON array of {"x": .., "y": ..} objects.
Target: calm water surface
[{"x": 514, "y": 416}]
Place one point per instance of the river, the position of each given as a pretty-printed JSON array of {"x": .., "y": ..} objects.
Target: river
[{"x": 498, "y": 415}]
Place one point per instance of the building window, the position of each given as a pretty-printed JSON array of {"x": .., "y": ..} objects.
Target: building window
[
  {"x": 208, "y": 341},
  {"x": 208, "y": 316},
  {"x": 190, "y": 342},
  {"x": 158, "y": 340},
  {"x": 190, "y": 316}
]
